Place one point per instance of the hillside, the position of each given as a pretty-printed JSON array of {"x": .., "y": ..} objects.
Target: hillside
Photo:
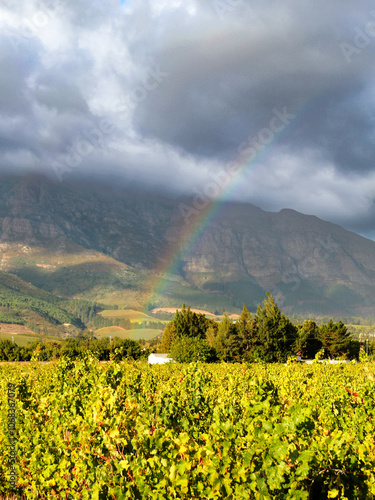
[
  {"x": 29, "y": 307},
  {"x": 102, "y": 245}
]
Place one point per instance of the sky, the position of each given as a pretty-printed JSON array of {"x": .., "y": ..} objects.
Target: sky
[{"x": 271, "y": 102}]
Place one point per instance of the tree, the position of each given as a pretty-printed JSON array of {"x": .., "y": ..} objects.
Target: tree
[
  {"x": 192, "y": 349},
  {"x": 169, "y": 335},
  {"x": 190, "y": 324},
  {"x": 128, "y": 349},
  {"x": 211, "y": 334},
  {"x": 308, "y": 343},
  {"x": 223, "y": 343},
  {"x": 71, "y": 348},
  {"x": 276, "y": 335},
  {"x": 246, "y": 329},
  {"x": 9, "y": 351},
  {"x": 335, "y": 338}
]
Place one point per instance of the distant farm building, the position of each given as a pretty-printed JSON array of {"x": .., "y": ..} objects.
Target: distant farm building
[
  {"x": 326, "y": 361},
  {"x": 158, "y": 359}
]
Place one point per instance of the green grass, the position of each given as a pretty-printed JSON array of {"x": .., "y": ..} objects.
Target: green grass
[
  {"x": 23, "y": 340},
  {"x": 142, "y": 333},
  {"x": 110, "y": 330}
]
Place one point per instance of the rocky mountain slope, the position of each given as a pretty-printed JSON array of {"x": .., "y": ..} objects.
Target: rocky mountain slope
[{"x": 309, "y": 265}]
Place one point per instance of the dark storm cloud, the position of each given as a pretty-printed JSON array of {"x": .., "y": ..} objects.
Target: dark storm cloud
[
  {"x": 14, "y": 72},
  {"x": 226, "y": 80},
  {"x": 156, "y": 92}
]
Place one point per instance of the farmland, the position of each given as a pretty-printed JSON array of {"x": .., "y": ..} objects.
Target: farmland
[
  {"x": 130, "y": 314},
  {"x": 23, "y": 340},
  {"x": 139, "y": 333},
  {"x": 208, "y": 314},
  {"x": 238, "y": 431}
]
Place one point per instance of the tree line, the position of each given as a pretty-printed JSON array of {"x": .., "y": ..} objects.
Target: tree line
[
  {"x": 74, "y": 348},
  {"x": 268, "y": 335}
]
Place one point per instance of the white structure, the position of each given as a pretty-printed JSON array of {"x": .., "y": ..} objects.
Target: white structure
[
  {"x": 325, "y": 361},
  {"x": 158, "y": 359}
]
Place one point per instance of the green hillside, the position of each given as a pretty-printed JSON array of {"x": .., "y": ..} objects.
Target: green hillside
[
  {"x": 92, "y": 276},
  {"x": 23, "y": 304}
]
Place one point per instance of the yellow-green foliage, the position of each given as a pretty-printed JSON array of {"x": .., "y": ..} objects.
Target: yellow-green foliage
[{"x": 89, "y": 430}]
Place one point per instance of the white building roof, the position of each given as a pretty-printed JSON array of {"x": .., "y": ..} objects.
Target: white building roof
[{"x": 159, "y": 358}]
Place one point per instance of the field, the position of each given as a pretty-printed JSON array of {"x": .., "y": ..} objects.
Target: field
[
  {"x": 138, "y": 316},
  {"x": 23, "y": 340},
  {"x": 110, "y": 330},
  {"x": 15, "y": 329},
  {"x": 132, "y": 315},
  {"x": 88, "y": 430},
  {"x": 172, "y": 310},
  {"x": 117, "y": 331}
]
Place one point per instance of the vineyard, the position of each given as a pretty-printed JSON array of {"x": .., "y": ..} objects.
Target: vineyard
[{"x": 88, "y": 430}]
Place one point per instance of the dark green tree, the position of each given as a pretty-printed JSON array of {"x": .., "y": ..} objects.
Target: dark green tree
[
  {"x": 9, "y": 351},
  {"x": 71, "y": 348},
  {"x": 225, "y": 342},
  {"x": 308, "y": 343},
  {"x": 276, "y": 335},
  {"x": 335, "y": 338},
  {"x": 189, "y": 323},
  {"x": 247, "y": 334}
]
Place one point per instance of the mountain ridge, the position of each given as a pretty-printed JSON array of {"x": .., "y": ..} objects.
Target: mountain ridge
[{"x": 309, "y": 264}]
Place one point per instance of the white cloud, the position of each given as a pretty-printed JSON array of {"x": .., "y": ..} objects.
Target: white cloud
[{"x": 308, "y": 184}]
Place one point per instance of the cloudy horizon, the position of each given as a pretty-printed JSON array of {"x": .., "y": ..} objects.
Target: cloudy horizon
[{"x": 273, "y": 104}]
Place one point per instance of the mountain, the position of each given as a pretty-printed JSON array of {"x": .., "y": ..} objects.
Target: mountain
[{"x": 77, "y": 240}]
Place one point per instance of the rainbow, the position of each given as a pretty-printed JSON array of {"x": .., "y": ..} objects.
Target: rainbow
[{"x": 200, "y": 218}]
